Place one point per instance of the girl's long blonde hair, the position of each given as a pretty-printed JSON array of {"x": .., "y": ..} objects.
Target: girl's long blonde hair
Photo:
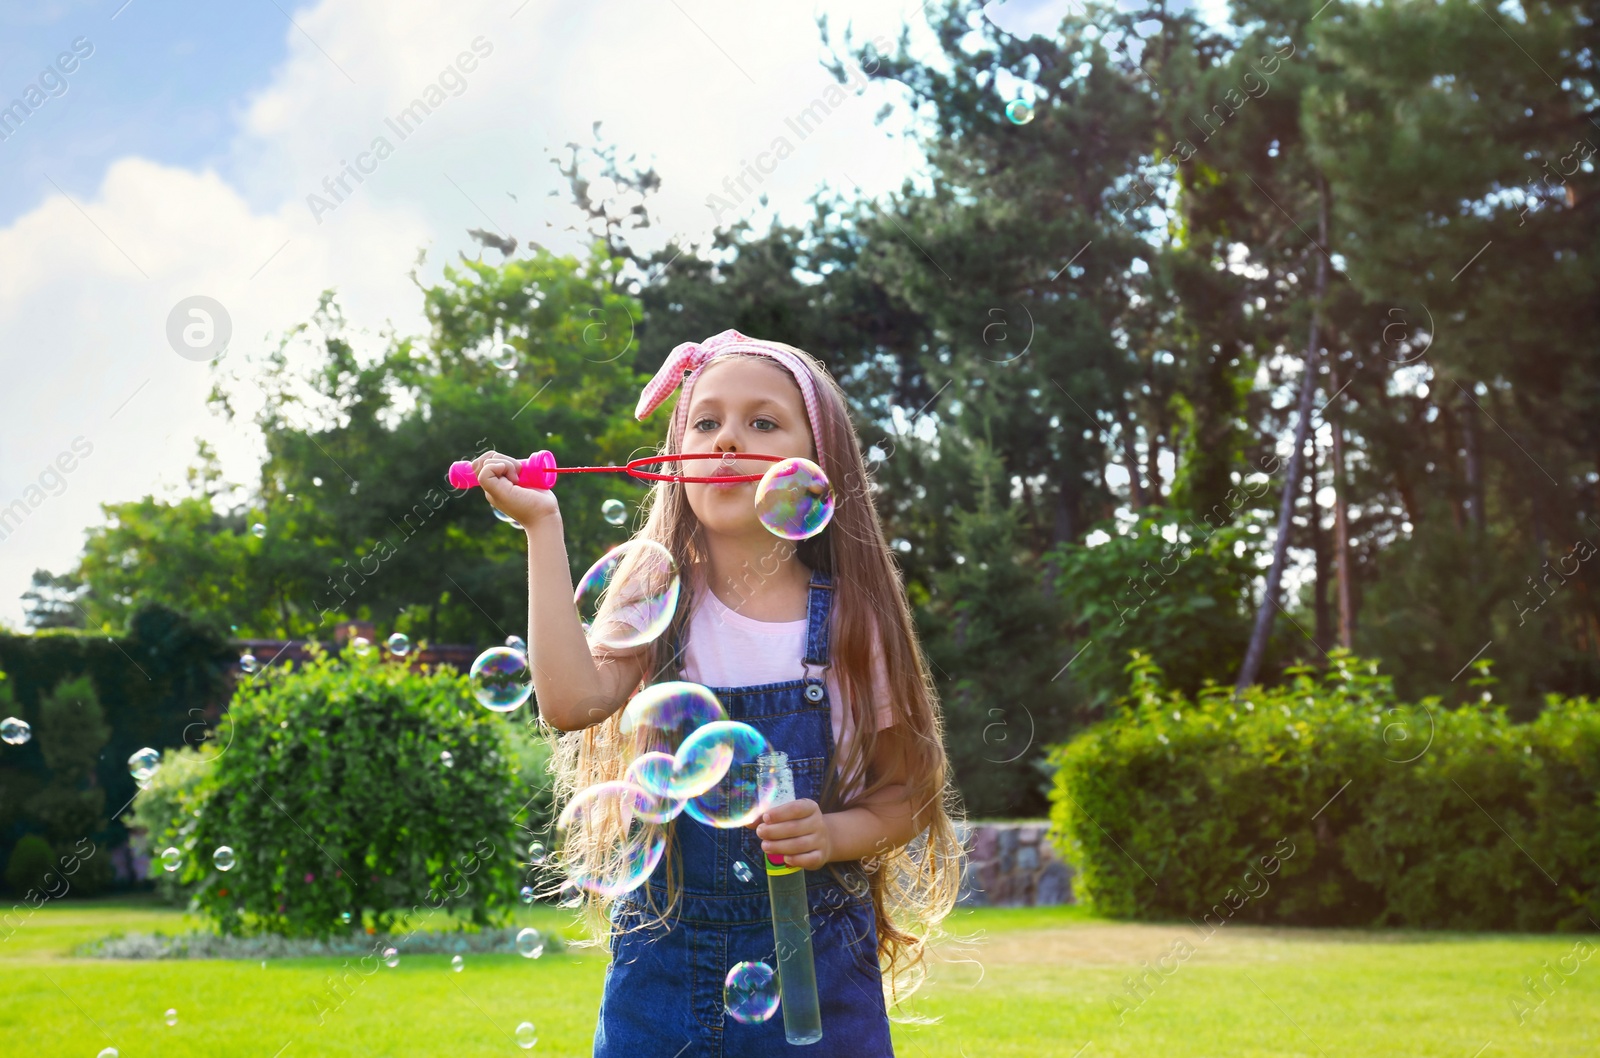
[{"x": 913, "y": 887}]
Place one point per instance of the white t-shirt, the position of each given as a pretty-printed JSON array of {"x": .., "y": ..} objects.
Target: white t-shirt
[{"x": 727, "y": 649}]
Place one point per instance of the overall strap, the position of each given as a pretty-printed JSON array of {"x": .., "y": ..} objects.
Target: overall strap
[{"x": 818, "y": 611}]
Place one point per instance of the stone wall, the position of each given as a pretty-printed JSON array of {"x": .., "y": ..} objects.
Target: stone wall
[{"x": 1012, "y": 865}]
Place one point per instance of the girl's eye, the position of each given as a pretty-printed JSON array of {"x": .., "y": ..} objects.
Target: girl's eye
[
  {"x": 701, "y": 424},
  {"x": 759, "y": 423}
]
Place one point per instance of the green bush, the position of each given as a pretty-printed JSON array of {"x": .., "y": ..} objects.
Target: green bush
[
  {"x": 168, "y": 808},
  {"x": 328, "y": 784},
  {"x": 1328, "y": 802},
  {"x": 31, "y": 859}
]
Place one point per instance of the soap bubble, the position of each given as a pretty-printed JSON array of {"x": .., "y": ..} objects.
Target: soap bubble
[
  {"x": 171, "y": 860},
  {"x": 741, "y": 871},
  {"x": 14, "y": 732},
  {"x": 637, "y": 585},
  {"x": 447, "y": 759},
  {"x": 502, "y": 515},
  {"x": 794, "y": 499},
  {"x": 750, "y": 992},
  {"x": 361, "y": 646},
  {"x": 662, "y": 715},
  {"x": 143, "y": 764},
  {"x": 457, "y": 963},
  {"x": 109, "y": 1052},
  {"x": 391, "y": 957},
  {"x": 615, "y": 512},
  {"x": 651, "y": 773},
  {"x": 223, "y": 858},
  {"x": 527, "y": 894},
  {"x": 258, "y": 530},
  {"x": 536, "y": 853},
  {"x": 317, "y": 482},
  {"x": 746, "y": 790},
  {"x": 699, "y": 765},
  {"x": 1019, "y": 112},
  {"x": 288, "y": 497},
  {"x": 248, "y": 663},
  {"x": 527, "y": 1035},
  {"x": 172, "y": 1017},
  {"x": 516, "y": 643},
  {"x": 344, "y": 916},
  {"x": 613, "y": 808},
  {"x": 399, "y": 644},
  {"x": 530, "y": 945},
  {"x": 500, "y": 679},
  {"x": 504, "y": 357}
]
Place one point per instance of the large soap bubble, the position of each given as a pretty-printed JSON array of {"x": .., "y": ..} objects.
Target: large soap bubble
[
  {"x": 746, "y": 790},
  {"x": 628, "y": 597},
  {"x": 662, "y": 715},
  {"x": 608, "y": 846},
  {"x": 500, "y": 679},
  {"x": 794, "y": 499},
  {"x": 652, "y": 774}
]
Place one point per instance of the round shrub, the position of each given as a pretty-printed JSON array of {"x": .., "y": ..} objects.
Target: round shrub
[
  {"x": 31, "y": 859},
  {"x": 331, "y": 785}
]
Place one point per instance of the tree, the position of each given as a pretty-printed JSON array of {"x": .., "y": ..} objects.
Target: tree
[{"x": 355, "y": 518}]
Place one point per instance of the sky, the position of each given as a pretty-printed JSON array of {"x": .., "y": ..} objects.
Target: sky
[{"x": 171, "y": 152}]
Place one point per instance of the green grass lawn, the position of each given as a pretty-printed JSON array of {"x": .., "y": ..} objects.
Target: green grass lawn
[{"x": 1026, "y": 982}]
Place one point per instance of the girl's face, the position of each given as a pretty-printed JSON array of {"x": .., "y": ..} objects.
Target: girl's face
[{"x": 741, "y": 405}]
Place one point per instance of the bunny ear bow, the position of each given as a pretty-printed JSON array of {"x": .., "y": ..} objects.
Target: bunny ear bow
[
  {"x": 683, "y": 364},
  {"x": 685, "y": 358}
]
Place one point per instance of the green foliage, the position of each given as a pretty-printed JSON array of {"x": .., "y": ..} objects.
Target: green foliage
[
  {"x": 147, "y": 685},
  {"x": 993, "y": 635},
  {"x": 328, "y": 783},
  {"x": 1331, "y": 802},
  {"x": 168, "y": 808},
  {"x": 359, "y": 522},
  {"x": 31, "y": 859},
  {"x": 1167, "y": 585},
  {"x": 71, "y": 729}
]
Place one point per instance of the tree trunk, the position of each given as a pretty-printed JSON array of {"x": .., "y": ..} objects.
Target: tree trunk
[
  {"x": 1130, "y": 461},
  {"x": 1063, "y": 531},
  {"x": 1470, "y": 446},
  {"x": 1308, "y": 385},
  {"x": 1321, "y": 631},
  {"x": 1341, "y": 524}
]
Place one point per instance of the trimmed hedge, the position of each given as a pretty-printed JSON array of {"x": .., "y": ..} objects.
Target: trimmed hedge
[
  {"x": 152, "y": 683},
  {"x": 1328, "y": 802},
  {"x": 328, "y": 784}
]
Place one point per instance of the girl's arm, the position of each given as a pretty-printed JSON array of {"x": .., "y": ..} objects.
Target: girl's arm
[
  {"x": 573, "y": 688},
  {"x": 807, "y": 837}
]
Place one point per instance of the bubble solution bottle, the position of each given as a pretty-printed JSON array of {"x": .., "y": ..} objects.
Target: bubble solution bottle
[{"x": 791, "y": 926}]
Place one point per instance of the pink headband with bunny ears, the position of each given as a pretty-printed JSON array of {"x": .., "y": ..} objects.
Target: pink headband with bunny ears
[{"x": 685, "y": 363}]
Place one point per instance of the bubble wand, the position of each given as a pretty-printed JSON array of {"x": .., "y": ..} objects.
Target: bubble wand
[
  {"x": 791, "y": 925},
  {"x": 539, "y": 470}
]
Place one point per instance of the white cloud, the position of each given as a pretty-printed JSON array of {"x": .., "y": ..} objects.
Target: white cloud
[{"x": 83, "y": 311}]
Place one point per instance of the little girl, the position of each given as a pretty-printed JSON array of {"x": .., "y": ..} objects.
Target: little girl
[{"x": 811, "y": 643}]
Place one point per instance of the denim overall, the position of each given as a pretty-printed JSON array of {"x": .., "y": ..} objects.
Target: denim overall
[{"x": 663, "y": 990}]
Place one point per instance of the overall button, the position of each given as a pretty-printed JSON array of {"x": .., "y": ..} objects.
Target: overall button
[{"x": 814, "y": 692}]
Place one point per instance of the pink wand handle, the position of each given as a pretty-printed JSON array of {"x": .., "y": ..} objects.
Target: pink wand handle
[{"x": 538, "y": 471}]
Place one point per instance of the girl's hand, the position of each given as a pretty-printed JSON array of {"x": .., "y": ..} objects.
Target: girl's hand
[
  {"x": 498, "y": 475},
  {"x": 797, "y": 832}
]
